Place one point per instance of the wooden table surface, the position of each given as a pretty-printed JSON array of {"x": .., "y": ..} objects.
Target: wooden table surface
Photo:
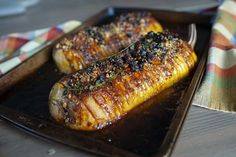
[{"x": 205, "y": 132}]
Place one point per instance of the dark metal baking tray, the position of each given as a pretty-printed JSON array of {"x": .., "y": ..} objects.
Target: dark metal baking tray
[{"x": 149, "y": 130}]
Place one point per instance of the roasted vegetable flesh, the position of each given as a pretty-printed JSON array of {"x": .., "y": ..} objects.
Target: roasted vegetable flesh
[
  {"x": 95, "y": 43},
  {"x": 105, "y": 91}
]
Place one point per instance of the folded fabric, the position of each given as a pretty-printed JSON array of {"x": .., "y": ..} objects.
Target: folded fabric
[
  {"x": 218, "y": 89},
  {"x": 17, "y": 47}
]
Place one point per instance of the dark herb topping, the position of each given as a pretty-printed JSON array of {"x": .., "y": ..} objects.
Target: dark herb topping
[
  {"x": 132, "y": 59},
  {"x": 125, "y": 23}
]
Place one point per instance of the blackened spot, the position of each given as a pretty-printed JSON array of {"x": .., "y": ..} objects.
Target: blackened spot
[
  {"x": 150, "y": 34},
  {"x": 137, "y": 45},
  {"x": 129, "y": 34},
  {"x": 150, "y": 56},
  {"x": 126, "y": 58},
  {"x": 141, "y": 64},
  {"x": 134, "y": 65},
  {"x": 143, "y": 53},
  {"x": 119, "y": 62},
  {"x": 134, "y": 53},
  {"x": 102, "y": 78}
]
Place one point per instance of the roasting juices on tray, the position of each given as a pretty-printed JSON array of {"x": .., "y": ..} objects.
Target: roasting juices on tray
[
  {"x": 95, "y": 43},
  {"x": 105, "y": 91}
]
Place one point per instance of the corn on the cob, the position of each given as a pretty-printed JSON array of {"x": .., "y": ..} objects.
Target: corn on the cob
[
  {"x": 95, "y": 43},
  {"x": 105, "y": 91}
]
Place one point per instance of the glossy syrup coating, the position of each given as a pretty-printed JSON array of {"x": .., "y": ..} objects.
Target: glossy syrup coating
[
  {"x": 105, "y": 91},
  {"x": 160, "y": 46},
  {"x": 96, "y": 43}
]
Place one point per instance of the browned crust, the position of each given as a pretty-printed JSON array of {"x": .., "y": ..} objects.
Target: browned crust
[
  {"x": 97, "y": 43},
  {"x": 93, "y": 109}
]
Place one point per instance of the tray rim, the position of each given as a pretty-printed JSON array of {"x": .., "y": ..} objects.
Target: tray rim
[{"x": 171, "y": 137}]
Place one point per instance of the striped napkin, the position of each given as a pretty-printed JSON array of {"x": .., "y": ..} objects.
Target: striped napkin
[
  {"x": 17, "y": 47},
  {"x": 218, "y": 89}
]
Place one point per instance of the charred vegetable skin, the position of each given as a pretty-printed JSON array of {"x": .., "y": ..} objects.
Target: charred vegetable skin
[
  {"x": 104, "y": 92},
  {"x": 95, "y": 43}
]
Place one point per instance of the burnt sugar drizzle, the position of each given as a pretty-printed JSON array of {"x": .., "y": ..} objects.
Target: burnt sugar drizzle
[
  {"x": 159, "y": 46},
  {"x": 130, "y": 24}
]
